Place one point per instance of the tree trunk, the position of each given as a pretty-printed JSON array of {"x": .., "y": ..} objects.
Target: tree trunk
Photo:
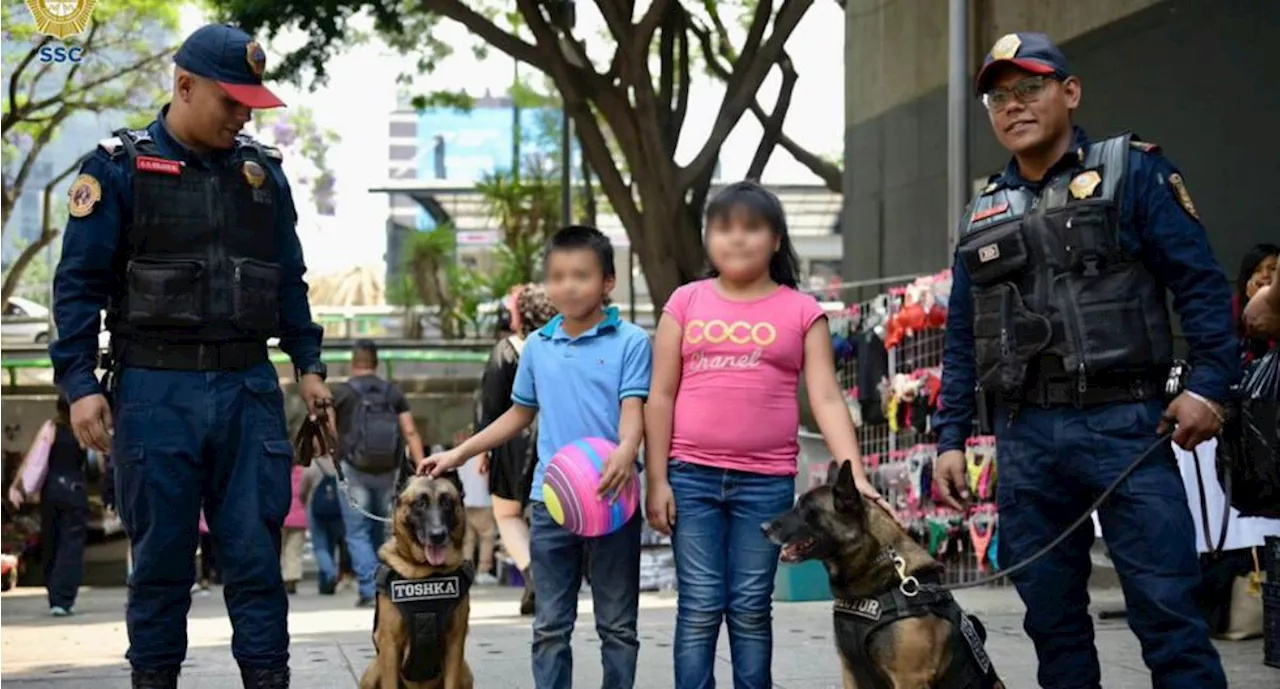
[
  {"x": 13, "y": 278},
  {"x": 670, "y": 251}
]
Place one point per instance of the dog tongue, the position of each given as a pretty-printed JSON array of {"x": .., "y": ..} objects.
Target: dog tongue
[{"x": 435, "y": 555}]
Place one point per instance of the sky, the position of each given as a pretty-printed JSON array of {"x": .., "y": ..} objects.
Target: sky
[{"x": 362, "y": 90}]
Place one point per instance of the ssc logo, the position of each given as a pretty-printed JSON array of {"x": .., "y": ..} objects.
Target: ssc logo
[{"x": 738, "y": 332}]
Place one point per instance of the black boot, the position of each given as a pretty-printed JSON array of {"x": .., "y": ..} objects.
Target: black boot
[
  {"x": 265, "y": 677},
  {"x": 164, "y": 678},
  {"x": 527, "y": 602}
]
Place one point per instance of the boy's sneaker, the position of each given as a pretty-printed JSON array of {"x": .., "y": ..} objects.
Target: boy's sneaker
[
  {"x": 363, "y": 602},
  {"x": 486, "y": 579},
  {"x": 59, "y": 611}
]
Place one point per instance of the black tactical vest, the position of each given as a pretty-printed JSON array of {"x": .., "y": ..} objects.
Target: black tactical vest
[
  {"x": 202, "y": 261},
  {"x": 1052, "y": 284},
  {"x": 857, "y": 619},
  {"x": 426, "y": 606}
]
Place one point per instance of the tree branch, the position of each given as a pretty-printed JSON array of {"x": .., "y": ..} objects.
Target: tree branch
[
  {"x": 489, "y": 32},
  {"x": 773, "y": 123},
  {"x": 94, "y": 83},
  {"x": 48, "y": 233},
  {"x": 11, "y": 117},
  {"x": 15, "y": 187},
  {"x": 830, "y": 174},
  {"x": 748, "y": 74}
]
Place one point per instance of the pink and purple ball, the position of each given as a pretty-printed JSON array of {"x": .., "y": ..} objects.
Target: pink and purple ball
[{"x": 570, "y": 484}]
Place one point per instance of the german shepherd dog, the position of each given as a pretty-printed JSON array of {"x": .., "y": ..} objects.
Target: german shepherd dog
[
  {"x": 428, "y": 529},
  {"x": 889, "y": 633}
]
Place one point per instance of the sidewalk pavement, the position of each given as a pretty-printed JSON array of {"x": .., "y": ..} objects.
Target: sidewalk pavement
[{"x": 331, "y": 643}]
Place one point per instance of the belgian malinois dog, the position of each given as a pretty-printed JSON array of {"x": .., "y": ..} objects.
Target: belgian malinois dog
[
  {"x": 423, "y": 606},
  {"x": 893, "y": 628}
]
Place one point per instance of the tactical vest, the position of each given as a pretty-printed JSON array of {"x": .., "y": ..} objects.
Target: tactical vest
[
  {"x": 426, "y": 605},
  {"x": 857, "y": 619},
  {"x": 1050, "y": 277},
  {"x": 202, "y": 260}
]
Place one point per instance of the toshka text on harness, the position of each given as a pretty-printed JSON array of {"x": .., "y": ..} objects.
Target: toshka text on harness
[{"x": 426, "y": 607}]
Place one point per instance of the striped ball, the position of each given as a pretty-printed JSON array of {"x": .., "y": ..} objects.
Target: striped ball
[{"x": 570, "y": 484}]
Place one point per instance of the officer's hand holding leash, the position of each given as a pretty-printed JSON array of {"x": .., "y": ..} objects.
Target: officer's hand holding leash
[
  {"x": 92, "y": 423},
  {"x": 948, "y": 472},
  {"x": 1193, "y": 419},
  {"x": 316, "y": 394}
]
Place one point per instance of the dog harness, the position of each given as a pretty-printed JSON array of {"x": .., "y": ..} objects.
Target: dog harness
[
  {"x": 857, "y": 619},
  {"x": 425, "y": 608}
]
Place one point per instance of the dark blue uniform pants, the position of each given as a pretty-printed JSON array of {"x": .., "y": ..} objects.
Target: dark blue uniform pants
[
  {"x": 183, "y": 439},
  {"x": 1053, "y": 464}
]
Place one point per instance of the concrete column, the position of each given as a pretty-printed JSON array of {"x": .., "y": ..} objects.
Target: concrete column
[{"x": 958, "y": 93}]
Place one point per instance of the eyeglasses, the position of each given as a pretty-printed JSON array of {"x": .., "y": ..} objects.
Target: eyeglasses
[{"x": 1026, "y": 91}]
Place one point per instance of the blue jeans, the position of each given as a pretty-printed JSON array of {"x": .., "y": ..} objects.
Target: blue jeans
[
  {"x": 725, "y": 568},
  {"x": 326, "y": 532},
  {"x": 1053, "y": 463},
  {"x": 184, "y": 439},
  {"x": 557, "y": 556},
  {"x": 373, "y": 492}
]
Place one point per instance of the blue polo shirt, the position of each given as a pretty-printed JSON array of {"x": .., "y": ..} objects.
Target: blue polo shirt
[{"x": 577, "y": 384}]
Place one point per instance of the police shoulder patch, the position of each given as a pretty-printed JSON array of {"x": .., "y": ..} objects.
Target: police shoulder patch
[
  {"x": 273, "y": 152},
  {"x": 1183, "y": 196},
  {"x": 83, "y": 196},
  {"x": 1144, "y": 146}
]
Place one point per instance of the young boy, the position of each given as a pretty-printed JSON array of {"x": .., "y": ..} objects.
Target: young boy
[{"x": 587, "y": 372}]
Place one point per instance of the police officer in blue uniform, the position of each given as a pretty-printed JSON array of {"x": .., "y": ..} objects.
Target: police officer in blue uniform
[
  {"x": 1058, "y": 317},
  {"x": 184, "y": 232}
]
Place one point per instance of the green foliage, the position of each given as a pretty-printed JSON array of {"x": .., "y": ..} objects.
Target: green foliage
[
  {"x": 457, "y": 100},
  {"x": 526, "y": 211}
]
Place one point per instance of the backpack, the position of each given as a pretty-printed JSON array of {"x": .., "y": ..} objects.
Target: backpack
[
  {"x": 372, "y": 442},
  {"x": 325, "y": 503}
]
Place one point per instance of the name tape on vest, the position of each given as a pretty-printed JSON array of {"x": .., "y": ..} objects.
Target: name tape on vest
[
  {"x": 868, "y": 608},
  {"x": 975, "y": 643},
  {"x": 162, "y": 166},
  {"x": 444, "y": 588}
]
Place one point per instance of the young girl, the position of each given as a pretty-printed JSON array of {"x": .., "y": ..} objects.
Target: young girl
[{"x": 721, "y": 430}]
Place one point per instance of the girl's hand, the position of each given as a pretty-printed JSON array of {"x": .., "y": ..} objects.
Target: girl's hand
[
  {"x": 15, "y": 496},
  {"x": 869, "y": 492},
  {"x": 660, "y": 507},
  {"x": 483, "y": 469}
]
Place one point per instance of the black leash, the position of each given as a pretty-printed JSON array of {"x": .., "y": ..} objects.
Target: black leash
[
  {"x": 315, "y": 439},
  {"x": 1159, "y": 444}
]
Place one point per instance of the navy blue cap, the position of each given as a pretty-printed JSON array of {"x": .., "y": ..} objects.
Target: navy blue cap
[
  {"x": 232, "y": 58},
  {"x": 1031, "y": 52}
]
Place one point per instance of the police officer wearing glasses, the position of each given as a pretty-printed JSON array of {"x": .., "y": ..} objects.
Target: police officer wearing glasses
[
  {"x": 185, "y": 233},
  {"x": 1059, "y": 316}
]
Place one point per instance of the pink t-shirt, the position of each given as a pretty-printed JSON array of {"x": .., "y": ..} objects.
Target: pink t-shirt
[{"x": 737, "y": 407}]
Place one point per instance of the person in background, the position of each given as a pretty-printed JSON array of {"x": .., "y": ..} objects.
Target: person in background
[
  {"x": 1257, "y": 273},
  {"x": 1261, "y": 317},
  {"x": 64, "y": 512},
  {"x": 481, "y": 527},
  {"x": 293, "y": 535},
  {"x": 510, "y": 465},
  {"x": 374, "y": 423},
  {"x": 322, "y": 500},
  {"x": 206, "y": 561}
]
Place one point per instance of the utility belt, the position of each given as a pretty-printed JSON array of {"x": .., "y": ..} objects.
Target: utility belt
[
  {"x": 1088, "y": 391},
  {"x": 190, "y": 356}
]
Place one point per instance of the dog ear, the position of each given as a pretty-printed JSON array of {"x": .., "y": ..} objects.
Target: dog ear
[
  {"x": 833, "y": 472},
  {"x": 456, "y": 479},
  {"x": 844, "y": 491}
]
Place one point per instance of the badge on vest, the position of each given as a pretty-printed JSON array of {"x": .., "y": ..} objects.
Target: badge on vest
[
  {"x": 868, "y": 608},
  {"x": 253, "y": 173},
  {"x": 409, "y": 590},
  {"x": 83, "y": 196},
  {"x": 989, "y": 253},
  {"x": 1084, "y": 184}
]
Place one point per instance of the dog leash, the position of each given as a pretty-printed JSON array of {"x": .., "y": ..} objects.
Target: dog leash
[
  {"x": 315, "y": 439},
  {"x": 1081, "y": 521}
]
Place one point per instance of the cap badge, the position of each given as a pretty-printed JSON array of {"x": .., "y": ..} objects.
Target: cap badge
[
  {"x": 1006, "y": 47},
  {"x": 253, "y": 173},
  {"x": 256, "y": 57}
]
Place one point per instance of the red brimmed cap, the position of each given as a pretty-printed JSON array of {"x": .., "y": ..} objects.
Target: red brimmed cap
[
  {"x": 232, "y": 58},
  {"x": 1030, "y": 52}
]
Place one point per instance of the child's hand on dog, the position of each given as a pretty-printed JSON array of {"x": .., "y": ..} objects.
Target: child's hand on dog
[
  {"x": 440, "y": 462},
  {"x": 620, "y": 469}
]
